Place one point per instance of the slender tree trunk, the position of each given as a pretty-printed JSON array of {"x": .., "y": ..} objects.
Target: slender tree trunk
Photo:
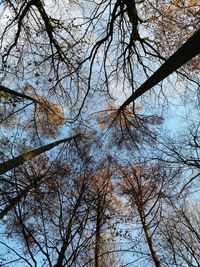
[
  {"x": 133, "y": 17},
  {"x": 186, "y": 52},
  {"x": 14, "y": 201},
  {"x": 66, "y": 241},
  {"x": 149, "y": 239},
  {"x": 98, "y": 237},
  {"x": 15, "y": 162}
]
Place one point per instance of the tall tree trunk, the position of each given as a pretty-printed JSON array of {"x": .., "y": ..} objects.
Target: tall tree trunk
[
  {"x": 14, "y": 201},
  {"x": 14, "y": 93},
  {"x": 98, "y": 236},
  {"x": 67, "y": 239},
  {"x": 149, "y": 240},
  {"x": 186, "y": 52},
  {"x": 15, "y": 162}
]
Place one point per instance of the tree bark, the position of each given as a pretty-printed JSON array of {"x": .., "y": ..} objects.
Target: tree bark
[
  {"x": 149, "y": 239},
  {"x": 14, "y": 93},
  {"x": 186, "y": 52},
  {"x": 15, "y": 162}
]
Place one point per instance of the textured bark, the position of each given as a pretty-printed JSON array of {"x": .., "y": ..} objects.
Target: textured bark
[
  {"x": 186, "y": 52},
  {"x": 15, "y": 162}
]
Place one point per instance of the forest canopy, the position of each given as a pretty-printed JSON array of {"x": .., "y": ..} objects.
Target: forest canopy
[{"x": 99, "y": 133}]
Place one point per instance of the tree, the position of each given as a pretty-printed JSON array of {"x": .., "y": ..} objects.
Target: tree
[
  {"x": 76, "y": 205},
  {"x": 142, "y": 190},
  {"x": 103, "y": 202},
  {"x": 145, "y": 187},
  {"x": 52, "y": 208}
]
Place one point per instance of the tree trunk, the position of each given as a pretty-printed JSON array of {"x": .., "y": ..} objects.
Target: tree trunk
[
  {"x": 186, "y": 52},
  {"x": 98, "y": 236},
  {"x": 66, "y": 241},
  {"x": 15, "y": 162},
  {"x": 14, "y": 93},
  {"x": 14, "y": 201},
  {"x": 149, "y": 239}
]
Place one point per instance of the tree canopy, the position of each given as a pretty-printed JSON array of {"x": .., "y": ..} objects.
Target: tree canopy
[{"x": 99, "y": 117}]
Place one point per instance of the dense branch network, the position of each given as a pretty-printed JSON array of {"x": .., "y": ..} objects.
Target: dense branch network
[{"x": 118, "y": 190}]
